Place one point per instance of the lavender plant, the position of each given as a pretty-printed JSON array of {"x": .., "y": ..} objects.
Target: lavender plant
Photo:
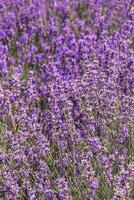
[{"x": 66, "y": 100}]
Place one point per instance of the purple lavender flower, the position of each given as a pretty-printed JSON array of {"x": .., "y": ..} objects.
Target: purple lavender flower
[
  {"x": 94, "y": 184},
  {"x": 95, "y": 144},
  {"x": 32, "y": 196},
  {"x": 2, "y": 34},
  {"x": 25, "y": 38},
  {"x": 12, "y": 98}
]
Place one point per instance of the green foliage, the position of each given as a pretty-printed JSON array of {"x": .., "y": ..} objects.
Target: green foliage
[
  {"x": 54, "y": 150},
  {"x": 81, "y": 10},
  {"x": 105, "y": 191},
  {"x": 13, "y": 49},
  {"x": 115, "y": 168},
  {"x": 131, "y": 197},
  {"x": 112, "y": 29},
  {"x": 8, "y": 121},
  {"x": 79, "y": 189},
  {"x": 24, "y": 76},
  {"x": 52, "y": 166},
  {"x": 70, "y": 172},
  {"x": 32, "y": 178},
  {"x": 43, "y": 103},
  {"x": 131, "y": 142}
]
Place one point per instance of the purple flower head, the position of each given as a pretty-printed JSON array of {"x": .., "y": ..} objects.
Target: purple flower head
[
  {"x": 2, "y": 158},
  {"x": 116, "y": 151},
  {"x": 125, "y": 132},
  {"x": 32, "y": 30},
  {"x": 11, "y": 15},
  {"x": 95, "y": 144},
  {"x": 18, "y": 69},
  {"x": 25, "y": 38},
  {"x": 2, "y": 34},
  {"x": 82, "y": 133},
  {"x": 12, "y": 98},
  {"x": 32, "y": 196},
  {"x": 3, "y": 49},
  {"x": 124, "y": 151},
  {"x": 94, "y": 184},
  {"x": 49, "y": 194},
  {"x": 40, "y": 91}
]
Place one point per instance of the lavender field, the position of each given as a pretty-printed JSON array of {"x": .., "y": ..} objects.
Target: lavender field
[{"x": 66, "y": 100}]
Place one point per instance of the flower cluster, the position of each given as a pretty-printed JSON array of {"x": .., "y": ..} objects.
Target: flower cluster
[{"x": 66, "y": 100}]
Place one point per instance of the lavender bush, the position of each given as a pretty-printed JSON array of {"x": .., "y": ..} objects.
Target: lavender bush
[{"x": 66, "y": 100}]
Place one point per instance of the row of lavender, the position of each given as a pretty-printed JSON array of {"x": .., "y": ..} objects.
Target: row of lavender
[{"x": 66, "y": 100}]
